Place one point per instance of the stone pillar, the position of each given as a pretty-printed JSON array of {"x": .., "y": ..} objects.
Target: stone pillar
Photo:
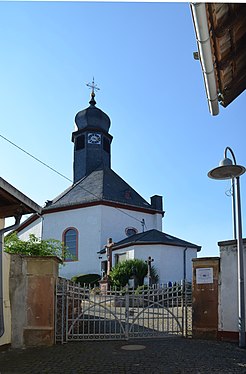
[
  {"x": 104, "y": 285},
  {"x": 32, "y": 297},
  {"x": 205, "y": 297}
]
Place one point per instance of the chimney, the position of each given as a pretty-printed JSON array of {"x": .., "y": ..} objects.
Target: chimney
[{"x": 156, "y": 202}]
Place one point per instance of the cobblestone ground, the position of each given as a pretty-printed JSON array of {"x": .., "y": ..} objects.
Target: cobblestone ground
[{"x": 174, "y": 355}]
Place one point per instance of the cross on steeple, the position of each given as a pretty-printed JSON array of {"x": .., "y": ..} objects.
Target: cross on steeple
[{"x": 93, "y": 87}]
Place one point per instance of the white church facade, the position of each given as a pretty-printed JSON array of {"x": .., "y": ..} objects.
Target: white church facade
[{"x": 101, "y": 205}]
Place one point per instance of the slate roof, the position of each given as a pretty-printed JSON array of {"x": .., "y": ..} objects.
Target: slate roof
[
  {"x": 102, "y": 185},
  {"x": 154, "y": 237}
]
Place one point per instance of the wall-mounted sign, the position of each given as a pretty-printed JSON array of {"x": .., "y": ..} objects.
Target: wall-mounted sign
[{"x": 204, "y": 275}]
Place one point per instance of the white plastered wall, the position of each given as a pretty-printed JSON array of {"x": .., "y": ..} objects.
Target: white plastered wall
[
  {"x": 87, "y": 221},
  {"x": 6, "y": 338},
  {"x": 168, "y": 260},
  {"x": 228, "y": 290},
  {"x": 34, "y": 228},
  {"x": 95, "y": 225},
  {"x": 115, "y": 221}
]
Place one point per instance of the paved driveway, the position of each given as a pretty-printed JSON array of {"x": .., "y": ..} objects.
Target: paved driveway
[{"x": 173, "y": 355}]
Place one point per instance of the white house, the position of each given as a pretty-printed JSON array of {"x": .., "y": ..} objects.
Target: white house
[
  {"x": 171, "y": 256},
  {"x": 98, "y": 205}
]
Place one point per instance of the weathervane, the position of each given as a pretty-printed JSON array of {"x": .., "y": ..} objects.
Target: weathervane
[{"x": 93, "y": 87}]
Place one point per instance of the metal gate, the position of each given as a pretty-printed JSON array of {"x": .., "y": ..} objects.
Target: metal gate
[{"x": 84, "y": 313}]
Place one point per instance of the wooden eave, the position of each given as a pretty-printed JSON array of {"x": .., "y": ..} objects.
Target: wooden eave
[
  {"x": 13, "y": 202},
  {"x": 227, "y": 27}
]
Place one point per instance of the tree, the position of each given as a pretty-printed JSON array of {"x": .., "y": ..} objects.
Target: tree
[
  {"x": 123, "y": 271},
  {"x": 34, "y": 246}
]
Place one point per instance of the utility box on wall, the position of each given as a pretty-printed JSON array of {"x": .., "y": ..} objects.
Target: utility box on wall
[{"x": 205, "y": 297}]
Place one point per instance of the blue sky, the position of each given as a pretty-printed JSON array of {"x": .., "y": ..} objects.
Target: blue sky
[{"x": 141, "y": 54}]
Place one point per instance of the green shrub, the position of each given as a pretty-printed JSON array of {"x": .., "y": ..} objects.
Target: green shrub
[
  {"x": 136, "y": 268},
  {"x": 88, "y": 279},
  {"x": 33, "y": 247},
  {"x": 120, "y": 274},
  {"x": 123, "y": 271}
]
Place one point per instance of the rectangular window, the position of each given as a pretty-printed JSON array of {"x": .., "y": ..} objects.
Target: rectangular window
[
  {"x": 80, "y": 142},
  {"x": 120, "y": 257},
  {"x": 104, "y": 266},
  {"x": 106, "y": 145}
]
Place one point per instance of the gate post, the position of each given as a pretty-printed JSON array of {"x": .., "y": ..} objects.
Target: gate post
[
  {"x": 205, "y": 297},
  {"x": 184, "y": 308},
  {"x": 127, "y": 303},
  {"x": 188, "y": 309},
  {"x": 61, "y": 314},
  {"x": 32, "y": 297}
]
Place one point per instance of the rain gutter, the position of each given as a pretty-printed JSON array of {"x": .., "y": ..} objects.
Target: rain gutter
[
  {"x": 2, "y": 231},
  {"x": 205, "y": 55}
]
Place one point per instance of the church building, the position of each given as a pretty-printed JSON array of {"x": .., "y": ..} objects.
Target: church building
[{"x": 100, "y": 205}]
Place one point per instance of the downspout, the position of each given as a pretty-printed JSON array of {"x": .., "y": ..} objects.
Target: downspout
[
  {"x": 205, "y": 55},
  {"x": 184, "y": 264},
  {"x": 2, "y": 231}
]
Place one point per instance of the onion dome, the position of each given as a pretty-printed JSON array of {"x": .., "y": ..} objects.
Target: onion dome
[{"x": 92, "y": 117}]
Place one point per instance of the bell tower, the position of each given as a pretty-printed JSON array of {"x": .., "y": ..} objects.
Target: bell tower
[{"x": 92, "y": 141}]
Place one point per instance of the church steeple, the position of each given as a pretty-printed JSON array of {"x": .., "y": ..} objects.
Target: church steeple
[{"x": 92, "y": 142}]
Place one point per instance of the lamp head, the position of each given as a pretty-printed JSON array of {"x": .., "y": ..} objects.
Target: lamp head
[
  {"x": 226, "y": 162},
  {"x": 226, "y": 170}
]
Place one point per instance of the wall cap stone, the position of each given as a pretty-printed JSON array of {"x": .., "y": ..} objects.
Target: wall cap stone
[
  {"x": 199, "y": 259},
  {"x": 55, "y": 258},
  {"x": 230, "y": 242}
]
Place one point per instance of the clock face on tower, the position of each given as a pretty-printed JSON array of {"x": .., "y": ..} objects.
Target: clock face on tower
[{"x": 94, "y": 138}]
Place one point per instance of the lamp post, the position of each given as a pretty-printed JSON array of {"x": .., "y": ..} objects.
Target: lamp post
[{"x": 230, "y": 170}]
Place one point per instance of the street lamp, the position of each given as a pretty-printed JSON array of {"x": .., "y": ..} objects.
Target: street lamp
[{"x": 230, "y": 170}]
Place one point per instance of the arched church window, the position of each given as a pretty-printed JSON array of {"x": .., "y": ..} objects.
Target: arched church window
[{"x": 70, "y": 240}]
